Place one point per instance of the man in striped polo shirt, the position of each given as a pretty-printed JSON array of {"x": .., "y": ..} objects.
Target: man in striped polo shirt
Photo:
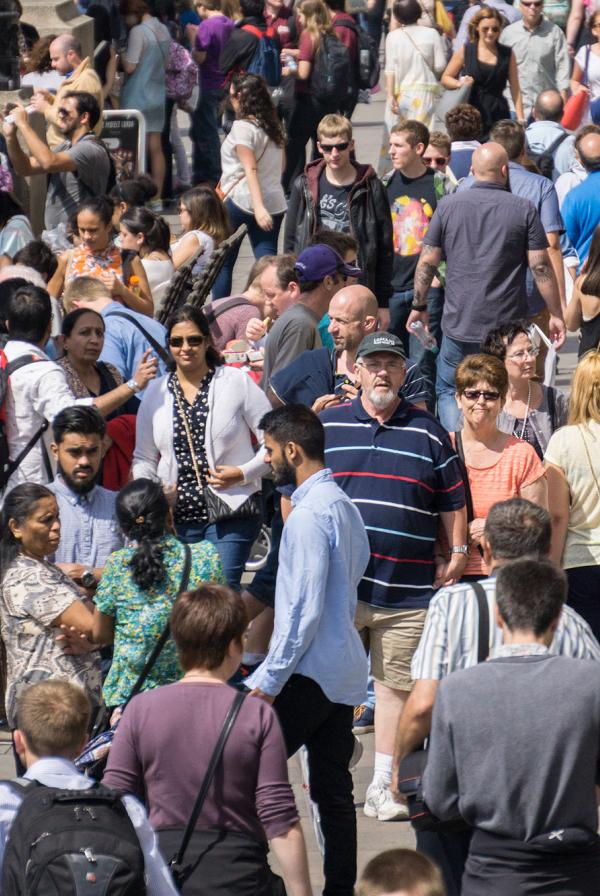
[{"x": 397, "y": 465}]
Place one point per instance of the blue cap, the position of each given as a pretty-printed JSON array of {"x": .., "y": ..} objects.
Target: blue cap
[{"x": 316, "y": 262}]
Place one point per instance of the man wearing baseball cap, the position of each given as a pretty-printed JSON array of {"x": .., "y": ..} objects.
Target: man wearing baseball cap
[
  {"x": 398, "y": 465},
  {"x": 321, "y": 273}
]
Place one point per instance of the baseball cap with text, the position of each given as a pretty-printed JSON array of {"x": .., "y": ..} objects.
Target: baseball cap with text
[{"x": 380, "y": 342}]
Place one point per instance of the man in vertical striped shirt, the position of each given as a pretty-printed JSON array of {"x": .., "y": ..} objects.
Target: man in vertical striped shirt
[{"x": 397, "y": 465}]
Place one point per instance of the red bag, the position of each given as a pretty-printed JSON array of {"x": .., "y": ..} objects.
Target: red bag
[{"x": 573, "y": 111}]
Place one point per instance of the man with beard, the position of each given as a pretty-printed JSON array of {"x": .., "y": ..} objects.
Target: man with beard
[
  {"x": 89, "y": 531},
  {"x": 397, "y": 465},
  {"x": 316, "y": 668}
]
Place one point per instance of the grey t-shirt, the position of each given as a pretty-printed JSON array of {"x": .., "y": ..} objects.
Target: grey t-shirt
[
  {"x": 485, "y": 234},
  {"x": 294, "y": 332},
  {"x": 67, "y": 189}
]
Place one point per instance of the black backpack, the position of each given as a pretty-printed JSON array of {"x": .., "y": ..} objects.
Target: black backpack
[
  {"x": 8, "y": 466},
  {"x": 544, "y": 161},
  {"x": 72, "y": 843},
  {"x": 369, "y": 68},
  {"x": 332, "y": 77}
]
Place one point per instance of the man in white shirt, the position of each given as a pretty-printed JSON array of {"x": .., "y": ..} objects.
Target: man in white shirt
[{"x": 53, "y": 721}]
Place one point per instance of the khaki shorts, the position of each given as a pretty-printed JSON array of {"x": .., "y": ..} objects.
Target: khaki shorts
[{"x": 391, "y": 637}]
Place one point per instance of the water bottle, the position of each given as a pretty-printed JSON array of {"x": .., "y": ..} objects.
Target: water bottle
[{"x": 424, "y": 336}]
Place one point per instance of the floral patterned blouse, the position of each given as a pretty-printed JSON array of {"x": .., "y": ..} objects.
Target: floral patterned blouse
[
  {"x": 83, "y": 263},
  {"x": 140, "y": 616}
]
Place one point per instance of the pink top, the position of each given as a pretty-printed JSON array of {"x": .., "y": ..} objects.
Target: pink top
[{"x": 163, "y": 746}]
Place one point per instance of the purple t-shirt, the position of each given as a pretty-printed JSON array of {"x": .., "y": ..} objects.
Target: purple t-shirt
[
  {"x": 212, "y": 35},
  {"x": 163, "y": 746}
]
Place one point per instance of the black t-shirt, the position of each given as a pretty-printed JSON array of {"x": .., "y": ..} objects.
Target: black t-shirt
[
  {"x": 334, "y": 208},
  {"x": 412, "y": 204}
]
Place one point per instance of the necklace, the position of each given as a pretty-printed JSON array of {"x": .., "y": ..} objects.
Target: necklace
[{"x": 522, "y": 436}]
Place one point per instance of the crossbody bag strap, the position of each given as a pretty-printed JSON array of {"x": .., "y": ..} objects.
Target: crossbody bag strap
[
  {"x": 160, "y": 351},
  {"x": 463, "y": 469},
  {"x": 483, "y": 631},
  {"x": 420, "y": 52},
  {"x": 176, "y": 863},
  {"x": 158, "y": 647},
  {"x": 13, "y": 465}
]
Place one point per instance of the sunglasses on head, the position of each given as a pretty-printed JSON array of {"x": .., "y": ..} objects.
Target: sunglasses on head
[
  {"x": 329, "y": 147},
  {"x": 192, "y": 341},
  {"x": 476, "y": 394}
]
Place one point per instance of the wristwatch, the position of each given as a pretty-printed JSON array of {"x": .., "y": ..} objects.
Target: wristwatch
[
  {"x": 419, "y": 307},
  {"x": 88, "y": 579},
  {"x": 459, "y": 549},
  {"x": 133, "y": 385}
]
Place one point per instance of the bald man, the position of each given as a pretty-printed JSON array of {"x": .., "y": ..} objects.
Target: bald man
[
  {"x": 489, "y": 237},
  {"x": 66, "y": 59},
  {"x": 581, "y": 208},
  {"x": 546, "y": 136}
]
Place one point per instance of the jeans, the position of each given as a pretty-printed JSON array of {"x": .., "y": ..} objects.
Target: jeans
[
  {"x": 263, "y": 242},
  {"x": 400, "y": 309},
  {"x": 325, "y": 728},
  {"x": 206, "y": 146},
  {"x": 262, "y": 586},
  {"x": 372, "y": 21},
  {"x": 584, "y": 582},
  {"x": 451, "y": 354},
  {"x": 232, "y": 538},
  {"x": 449, "y": 850}
]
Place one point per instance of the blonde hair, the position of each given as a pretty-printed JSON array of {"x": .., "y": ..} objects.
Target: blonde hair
[
  {"x": 53, "y": 716},
  {"x": 584, "y": 403},
  {"x": 334, "y": 126},
  {"x": 84, "y": 289},
  {"x": 318, "y": 19},
  {"x": 486, "y": 12}
]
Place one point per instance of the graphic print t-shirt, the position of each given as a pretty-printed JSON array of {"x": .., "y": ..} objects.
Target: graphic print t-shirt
[
  {"x": 334, "y": 210},
  {"x": 412, "y": 204}
]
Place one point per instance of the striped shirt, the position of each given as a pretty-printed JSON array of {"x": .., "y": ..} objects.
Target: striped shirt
[
  {"x": 401, "y": 475},
  {"x": 449, "y": 639}
]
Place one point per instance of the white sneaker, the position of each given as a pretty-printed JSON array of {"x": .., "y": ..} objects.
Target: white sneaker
[{"x": 380, "y": 804}]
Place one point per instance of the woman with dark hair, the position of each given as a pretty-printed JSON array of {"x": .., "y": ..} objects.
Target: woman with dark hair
[
  {"x": 487, "y": 65},
  {"x": 251, "y": 162},
  {"x": 149, "y": 237},
  {"x": 138, "y": 586},
  {"x": 583, "y": 311},
  {"x": 38, "y": 71},
  {"x": 37, "y": 598},
  {"x": 532, "y": 411},
  {"x": 98, "y": 256},
  {"x": 15, "y": 229},
  {"x": 194, "y": 433},
  {"x": 130, "y": 193},
  {"x": 251, "y": 801}
]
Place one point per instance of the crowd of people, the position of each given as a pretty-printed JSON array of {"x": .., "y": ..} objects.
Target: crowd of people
[{"x": 380, "y": 395}]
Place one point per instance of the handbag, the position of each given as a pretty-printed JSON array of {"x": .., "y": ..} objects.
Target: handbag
[
  {"x": 576, "y": 105},
  {"x": 412, "y": 767},
  {"x": 450, "y": 99}
]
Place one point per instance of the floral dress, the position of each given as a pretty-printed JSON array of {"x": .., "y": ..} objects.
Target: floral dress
[
  {"x": 83, "y": 263},
  {"x": 140, "y": 616}
]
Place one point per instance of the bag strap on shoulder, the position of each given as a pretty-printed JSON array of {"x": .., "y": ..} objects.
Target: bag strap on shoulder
[
  {"x": 483, "y": 631},
  {"x": 211, "y": 313},
  {"x": 463, "y": 469},
  {"x": 160, "y": 351}
]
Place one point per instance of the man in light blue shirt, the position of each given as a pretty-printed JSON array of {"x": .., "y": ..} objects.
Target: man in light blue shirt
[
  {"x": 547, "y": 133},
  {"x": 316, "y": 668}
]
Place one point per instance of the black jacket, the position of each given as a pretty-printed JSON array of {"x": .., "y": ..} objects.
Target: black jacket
[
  {"x": 370, "y": 222},
  {"x": 237, "y": 53}
]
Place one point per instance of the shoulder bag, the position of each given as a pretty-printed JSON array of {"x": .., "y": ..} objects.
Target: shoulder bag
[{"x": 465, "y": 475}]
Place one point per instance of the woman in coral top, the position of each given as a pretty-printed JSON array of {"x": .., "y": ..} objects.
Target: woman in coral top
[{"x": 498, "y": 465}]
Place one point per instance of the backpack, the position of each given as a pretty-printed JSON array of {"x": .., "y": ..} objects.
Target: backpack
[
  {"x": 72, "y": 842},
  {"x": 369, "y": 68},
  {"x": 181, "y": 73},
  {"x": 112, "y": 169},
  {"x": 7, "y": 368},
  {"x": 265, "y": 59},
  {"x": 332, "y": 79},
  {"x": 545, "y": 160}
]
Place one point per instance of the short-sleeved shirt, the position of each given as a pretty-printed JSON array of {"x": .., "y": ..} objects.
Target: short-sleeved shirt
[
  {"x": 485, "y": 234},
  {"x": 140, "y": 616},
  {"x": 124, "y": 343},
  {"x": 412, "y": 204},
  {"x": 306, "y": 53},
  {"x": 334, "y": 205},
  {"x": 231, "y": 324},
  {"x": 33, "y": 594},
  {"x": 401, "y": 475},
  {"x": 294, "y": 332},
  {"x": 268, "y": 157},
  {"x": 67, "y": 189},
  {"x": 211, "y": 37}
]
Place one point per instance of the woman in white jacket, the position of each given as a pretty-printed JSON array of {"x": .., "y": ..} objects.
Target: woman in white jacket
[{"x": 194, "y": 433}]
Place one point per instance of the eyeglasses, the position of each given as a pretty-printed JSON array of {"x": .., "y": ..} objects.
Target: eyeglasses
[
  {"x": 376, "y": 366},
  {"x": 436, "y": 160},
  {"x": 493, "y": 29},
  {"x": 525, "y": 353},
  {"x": 327, "y": 148},
  {"x": 192, "y": 341},
  {"x": 532, "y": 3},
  {"x": 476, "y": 394}
]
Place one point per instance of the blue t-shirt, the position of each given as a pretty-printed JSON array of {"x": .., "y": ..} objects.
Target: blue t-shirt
[
  {"x": 124, "y": 342},
  {"x": 581, "y": 213}
]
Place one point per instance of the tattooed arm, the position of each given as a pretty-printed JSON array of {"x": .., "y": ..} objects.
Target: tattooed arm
[
  {"x": 429, "y": 261},
  {"x": 545, "y": 279}
]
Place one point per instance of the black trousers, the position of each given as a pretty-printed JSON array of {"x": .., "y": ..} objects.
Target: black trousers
[
  {"x": 308, "y": 718},
  {"x": 306, "y": 115},
  {"x": 449, "y": 850}
]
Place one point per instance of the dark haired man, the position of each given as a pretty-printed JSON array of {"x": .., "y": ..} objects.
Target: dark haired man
[
  {"x": 78, "y": 168},
  {"x": 242, "y": 42},
  {"x": 316, "y": 668},
  {"x": 509, "y": 753},
  {"x": 89, "y": 531}
]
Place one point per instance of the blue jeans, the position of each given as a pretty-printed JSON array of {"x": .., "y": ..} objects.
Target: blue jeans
[
  {"x": 451, "y": 354},
  {"x": 232, "y": 538},
  {"x": 263, "y": 242},
  {"x": 400, "y": 309},
  {"x": 206, "y": 146}
]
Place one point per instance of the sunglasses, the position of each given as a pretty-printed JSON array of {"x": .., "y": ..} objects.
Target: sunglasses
[
  {"x": 476, "y": 394},
  {"x": 192, "y": 341},
  {"x": 492, "y": 29},
  {"x": 326, "y": 148},
  {"x": 532, "y": 3},
  {"x": 63, "y": 113},
  {"x": 438, "y": 160}
]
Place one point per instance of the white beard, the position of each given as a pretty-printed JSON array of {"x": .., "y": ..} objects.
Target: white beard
[{"x": 381, "y": 400}]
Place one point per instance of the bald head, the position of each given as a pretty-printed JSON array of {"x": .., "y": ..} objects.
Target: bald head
[
  {"x": 548, "y": 106},
  {"x": 588, "y": 149},
  {"x": 490, "y": 163},
  {"x": 353, "y": 314},
  {"x": 65, "y": 53}
]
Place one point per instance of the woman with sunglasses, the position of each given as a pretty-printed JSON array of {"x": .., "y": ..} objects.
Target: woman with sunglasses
[
  {"x": 487, "y": 65},
  {"x": 532, "y": 411},
  {"x": 498, "y": 465},
  {"x": 195, "y": 431}
]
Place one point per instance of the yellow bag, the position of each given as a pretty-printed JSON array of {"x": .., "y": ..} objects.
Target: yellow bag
[{"x": 443, "y": 19}]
